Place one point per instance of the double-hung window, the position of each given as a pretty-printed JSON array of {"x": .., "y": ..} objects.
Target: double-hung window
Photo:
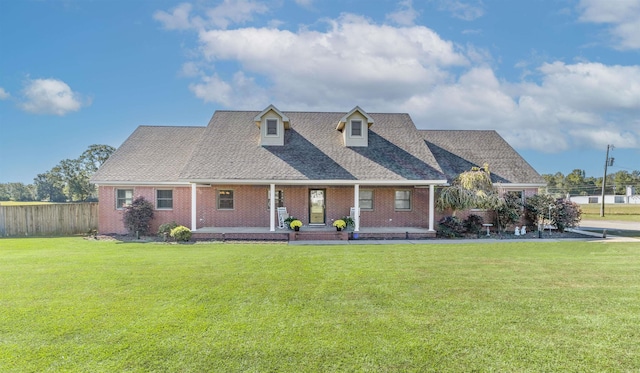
[
  {"x": 279, "y": 198},
  {"x": 225, "y": 199},
  {"x": 272, "y": 127},
  {"x": 366, "y": 199},
  {"x": 356, "y": 128},
  {"x": 164, "y": 199},
  {"x": 403, "y": 200},
  {"x": 124, "y": 197}
]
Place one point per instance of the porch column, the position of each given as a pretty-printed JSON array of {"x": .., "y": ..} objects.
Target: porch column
[
  {"x": 431, "y": 206},
  {"x": 193, "y": 207},
  {"x": 272, "y": 208},
  {"x": 356, "y": 205}
]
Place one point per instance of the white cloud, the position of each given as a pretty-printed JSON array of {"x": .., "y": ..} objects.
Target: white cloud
[
  {"x": 353, "y": 58},
  {"x": 4, "y": 94},
  {"x": 382, "y": 68},
  {"x": 221, "y": 16},
  {"x": 465, "y": 10},
  {"x": 49, "y": 96},
  {"x": 622, "y": 15},
  {"x": 405, "y": 15}
]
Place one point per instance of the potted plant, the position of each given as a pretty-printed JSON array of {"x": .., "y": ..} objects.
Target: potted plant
[
  {"x": 295, "y": 225},
  {"x": 349, "y": 222},
  {"x": 339, "y": 224},
  {"x": 288, "y": 221}
]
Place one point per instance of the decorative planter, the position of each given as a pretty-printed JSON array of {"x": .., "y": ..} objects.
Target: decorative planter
[
  {"x": 296, "y": 229},
  {"x": 338, "y": 229}
]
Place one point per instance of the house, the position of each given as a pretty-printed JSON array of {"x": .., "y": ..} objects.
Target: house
[{"x": 320, "y": 166}]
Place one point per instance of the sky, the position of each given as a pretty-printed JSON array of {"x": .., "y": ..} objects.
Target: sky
[{"x": 558, "y": 79}]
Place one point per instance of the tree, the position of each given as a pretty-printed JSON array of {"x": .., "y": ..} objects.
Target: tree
[
  {"x": 95, "y": 156},
  {"x": 49, "y": 187},
  {"x": 20, "y": 192},
  {"x": 137, "y": 216},
  {"x": 470, "y": 189}
]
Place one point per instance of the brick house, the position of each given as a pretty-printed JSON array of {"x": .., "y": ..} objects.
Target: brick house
[{"x": 321, "y": 166}]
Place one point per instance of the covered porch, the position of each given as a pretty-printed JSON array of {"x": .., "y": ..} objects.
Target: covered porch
[
  {"x": 317, "y": 204},
  {"x": 308, "y": 233}
]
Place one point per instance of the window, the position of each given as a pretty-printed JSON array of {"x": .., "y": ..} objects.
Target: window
[
  {"x": 272, "y": 127},
  {"x": 225, "y": 200},
  {"x": 366, "y": 200},
  {"x": 403, "y": 200},
  {"x": 279, "y": 199},
  {"x": 356, "y": 128},
  {"x": 164, "y": 199},
  {"x": 124, "y": 197},
  {"x": 593, "y": 199},
  {"x": 618, "y": 199}
]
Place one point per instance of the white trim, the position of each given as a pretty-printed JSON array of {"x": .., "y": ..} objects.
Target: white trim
[
  {"x": 514, "y": 185},
  {"x": 164, "y": 184},
  {"x": 431, "y": 207},
  {"x": 321, "y": 182},
  {"x": 272, "y": 208},
  {"x": 356, "y": 203},
  {"x": 343, "y": 121},
  {"x": 193, "y": 206}
]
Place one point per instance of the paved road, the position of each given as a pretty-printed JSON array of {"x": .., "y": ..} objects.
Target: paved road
[{"x": 611, "y": 224}]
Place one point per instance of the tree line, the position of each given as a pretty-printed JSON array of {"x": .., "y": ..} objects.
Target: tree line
[
  {"x": 68, "y": 181},
  {"x": 577, "y": 183}
]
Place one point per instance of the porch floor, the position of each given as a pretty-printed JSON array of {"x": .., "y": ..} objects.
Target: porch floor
[{"x": 310, "y": 233}]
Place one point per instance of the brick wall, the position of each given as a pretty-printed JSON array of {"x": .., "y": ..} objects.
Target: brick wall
[{"x": 251, "y": 209}]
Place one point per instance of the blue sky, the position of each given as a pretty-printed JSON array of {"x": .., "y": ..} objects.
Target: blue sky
[{"x": 557, "y": 79}]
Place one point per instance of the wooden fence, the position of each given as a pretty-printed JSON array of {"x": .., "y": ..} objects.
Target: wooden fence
[{"x": 48, "y": 220}]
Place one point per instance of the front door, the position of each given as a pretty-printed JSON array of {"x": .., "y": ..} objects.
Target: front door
[{"x": 316, "y": 206}]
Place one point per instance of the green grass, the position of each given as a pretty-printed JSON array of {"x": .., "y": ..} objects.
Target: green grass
[
  {"x": 611, "y": 212},
  {"x": 68, "y": 304}
]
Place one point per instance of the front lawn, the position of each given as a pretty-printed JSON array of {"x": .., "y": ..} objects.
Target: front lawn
[{"x": 68, "y": 304}]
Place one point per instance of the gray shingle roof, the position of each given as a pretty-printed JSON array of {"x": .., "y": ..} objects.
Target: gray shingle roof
[
  {"x": 230, "y": 150},
  {"x": 150, "y": 154},
  {"x": 459, "y": 150}
]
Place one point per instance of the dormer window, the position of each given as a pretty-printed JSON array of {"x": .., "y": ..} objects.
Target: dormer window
[
  {"x": 356, "y": 128},
  {"x": 272, "y": 127},
  {"x": 272, "y": 123}
]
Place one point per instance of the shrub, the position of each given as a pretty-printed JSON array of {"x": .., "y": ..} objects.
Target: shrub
[
  {"x": 450, "y": 226},
  {"x": 181, "y": 233},
  {"x": 166, "y": 228},
  {"x": 566, "y": 214},
  {"x": 537, "y": 208},
  {"x": 473, "y": 223},
  {"x": 348, "y": 221},
  {"x": 137, "y": 216},
  {"x": 508, "y": 211}
]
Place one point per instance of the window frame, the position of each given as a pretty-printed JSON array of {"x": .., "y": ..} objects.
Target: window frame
[
  {"x": 279, "y": 198},
  {"x": 395, "y": 199},
  {"x": 352, "y": 128},
  {"x": 219, "y": 199},
  {"x": 593, "y": 200},
  {"x": 118, "y": 198},
  {"x": 360, "y": 199},
  {"x": 266, "y": 123},
  {"x": 158, "y": 199}
]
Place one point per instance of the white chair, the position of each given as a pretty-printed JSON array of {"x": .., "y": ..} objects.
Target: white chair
[{"x": 282, "y": 216}]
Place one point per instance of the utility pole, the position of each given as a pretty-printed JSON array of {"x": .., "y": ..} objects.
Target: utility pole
[{"x": 608, "y": 162}]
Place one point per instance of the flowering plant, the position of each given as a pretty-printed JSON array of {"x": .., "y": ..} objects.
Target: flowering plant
[
  {"x": 339, "y": 223},
  {"x": 295, "y": 223}
]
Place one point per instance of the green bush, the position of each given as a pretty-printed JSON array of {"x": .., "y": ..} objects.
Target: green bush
[
  {"x": 450, "y": 227},
  {"x": 181, "y": 233},
  {"x": 166, "y": 228},
  {"x": 473, "y": 223}
]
